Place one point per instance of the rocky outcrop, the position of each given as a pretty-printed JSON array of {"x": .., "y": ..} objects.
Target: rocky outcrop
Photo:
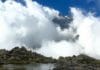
[
  {"x": 22, "y": 55},
  {"x": 81, "y": 62}
]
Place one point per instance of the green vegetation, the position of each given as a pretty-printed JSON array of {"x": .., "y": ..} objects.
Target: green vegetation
[{"x": 22, "y": 56}]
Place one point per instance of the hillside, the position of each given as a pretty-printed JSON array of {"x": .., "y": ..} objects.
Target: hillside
[
  {"x": 21, "y": 56},
  {"x": 81, "y": 62}
]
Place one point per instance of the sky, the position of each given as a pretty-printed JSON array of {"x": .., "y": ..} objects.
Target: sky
[
  {"x": 64, "y": 5},
  {"x": 33, "y": 26}
]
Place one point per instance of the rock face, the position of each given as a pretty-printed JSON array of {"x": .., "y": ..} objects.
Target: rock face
[
  {"x": 21, "y": 55},
  {"x": 81, "y": 62}
]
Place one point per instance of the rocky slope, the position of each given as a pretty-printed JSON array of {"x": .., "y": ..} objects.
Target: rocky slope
[
  {"x": 21, "y": 55},
  {"x": 81, "y": 62}
]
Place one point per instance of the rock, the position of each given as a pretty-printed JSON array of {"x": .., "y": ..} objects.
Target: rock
[
  {"x": 81, "y": 62},
  {"x": 22, "y": 55}
]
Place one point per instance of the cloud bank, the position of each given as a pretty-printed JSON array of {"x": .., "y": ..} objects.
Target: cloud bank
[{"x": 33, "y": 26}]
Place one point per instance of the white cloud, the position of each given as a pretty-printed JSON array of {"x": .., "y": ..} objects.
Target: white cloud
[{"x": 32, "y": 26}]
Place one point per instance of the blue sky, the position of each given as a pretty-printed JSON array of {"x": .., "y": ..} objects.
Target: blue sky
[{"x": 64, "y": 5}]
